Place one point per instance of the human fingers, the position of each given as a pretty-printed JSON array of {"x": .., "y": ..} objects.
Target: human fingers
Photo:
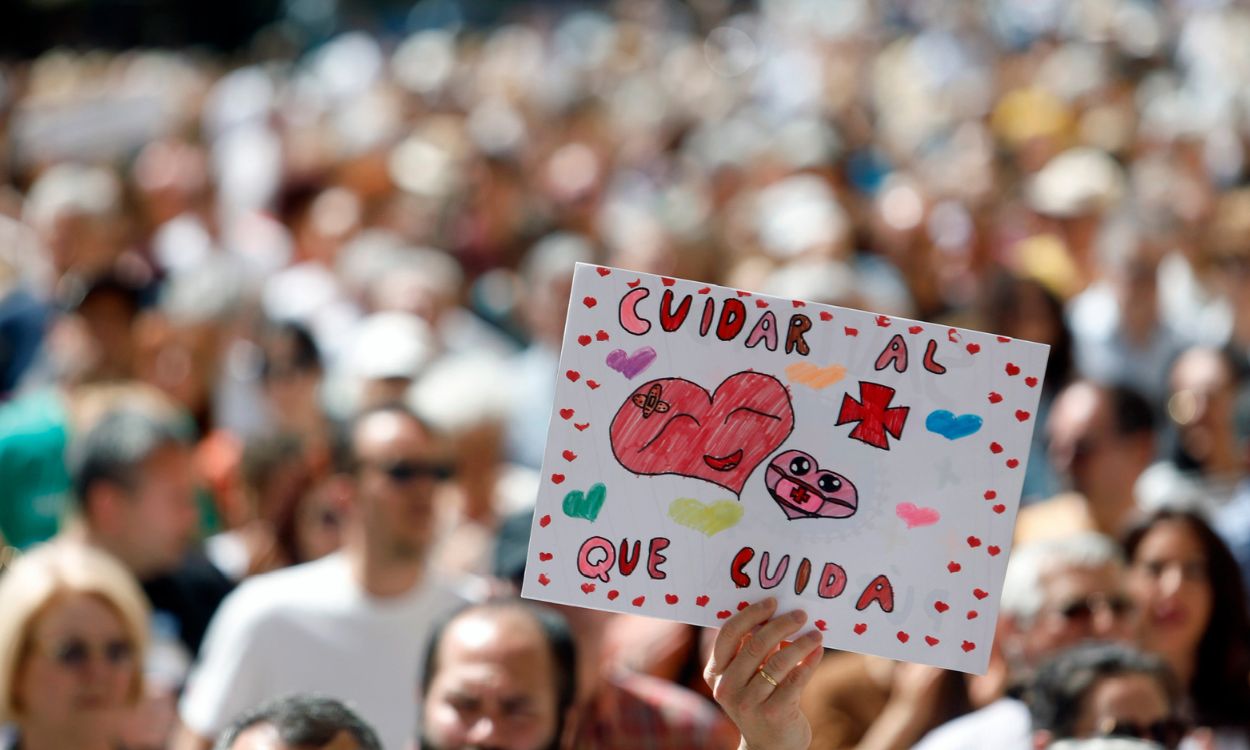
[
  {"x": 759, "y": 644},
  {"x": 791, "y": 686},
  {"x": 776, "y": 669},
  {"x": 731, "y": 634}
]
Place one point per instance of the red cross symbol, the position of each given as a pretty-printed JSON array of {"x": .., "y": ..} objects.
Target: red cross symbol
[
  {"x": 799, "y": 494},
  {"x": 875, "y": 415}
]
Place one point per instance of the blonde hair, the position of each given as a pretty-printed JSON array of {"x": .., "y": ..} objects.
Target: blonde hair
[{"x": 38, "y": 578}]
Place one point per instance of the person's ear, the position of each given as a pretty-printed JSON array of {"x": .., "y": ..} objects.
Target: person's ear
[{"x": 103, "y": 507}]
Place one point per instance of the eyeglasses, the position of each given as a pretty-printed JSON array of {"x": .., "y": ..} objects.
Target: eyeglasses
[
  {"x": 1166, "y": 732},
  {"x": 403, "y": 472},
  {"x": 76, "y": 653},
  {"x": 1193, "y": 571},
  {"x": 1083, "y": 610}
]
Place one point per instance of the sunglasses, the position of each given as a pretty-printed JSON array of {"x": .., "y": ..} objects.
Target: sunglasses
[
  {"x": 403, "y": 472},
  {"x": 1166, "y": 732},
  {"x": 76, "y": 653},
  {"x": 1083, "y": 610}
]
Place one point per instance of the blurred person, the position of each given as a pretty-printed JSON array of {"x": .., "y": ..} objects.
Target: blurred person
[
  {"x": 547, "y": 276},
  {"x": 1227, "y": 246},
  {"x": 134, "y": 479},
  {"x": 1194, "y": 615},
  {"x": 77, "y": 213},
  {"x": 468, "y": 399},
  {"x": 276, "y": 477},
  {"x": 95, "y": 339},
  {"x": 25, "y": 311},
  {"x": 1119, "y": 334},
  {"x": 500, "y": 674},
  {"x": 1101, "y": 439},
  {"x": 349, "y": 625},
  {"x": 36, "y": 431},
  {"x": 429, "y": 284},
  {"x": 180, "y": 343},
  {"x": 1207, "y": 458},
  {"x": 1073, "y": 192},
  {"x": 292, "y": 372},
  {"x": 300, "y": 721},
  {"x": 616, "y": 709},
  {"x": 387, "y": 353},
  {"x": 1023, "y": 307},
  {"x": 1105, "y": 690},
  {"x": 1056, "y": 593},
  {"x": 72, "y": 644}
]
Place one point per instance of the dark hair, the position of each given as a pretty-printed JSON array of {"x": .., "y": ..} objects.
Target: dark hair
[
  {"x": 115, "y": 448},
  {"x": 1061, "y": 686},
  {"x": 305, "y": 720},
  {"x": 1002, "y": 310},
  {"x": 1131, "y": 413},
  {"x": 263, "y": 456},
  {"x": 1220, "y": 688},
  {"x": 555, "y": 630},
  {"x": 305, "y": 356}
]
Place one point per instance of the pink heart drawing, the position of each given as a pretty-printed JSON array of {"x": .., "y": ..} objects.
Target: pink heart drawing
[
  {"x": 674, "y": 426},
  {"x": 915, "y": 516},
  {"x": 630, "y": 365}
]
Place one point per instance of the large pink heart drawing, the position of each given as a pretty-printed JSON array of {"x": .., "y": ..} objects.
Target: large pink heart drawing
[{"x": 673, "y": 426}]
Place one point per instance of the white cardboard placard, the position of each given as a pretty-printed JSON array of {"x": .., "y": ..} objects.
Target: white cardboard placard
[{"x": 711, "y": 446}]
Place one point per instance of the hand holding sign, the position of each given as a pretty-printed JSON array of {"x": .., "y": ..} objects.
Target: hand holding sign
[
  {"x": 758, "y": 681},
  {"x": 711, "y": 446}
]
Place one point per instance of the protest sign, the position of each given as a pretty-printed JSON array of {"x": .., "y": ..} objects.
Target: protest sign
[{"x": 710, "y": 447}]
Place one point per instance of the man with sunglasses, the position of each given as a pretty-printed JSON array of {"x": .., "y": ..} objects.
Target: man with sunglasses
[
  {"x": 1105, "y": 690},
  {"x": 1056, "y": 594},
  {"x": 351, "y": 624}
]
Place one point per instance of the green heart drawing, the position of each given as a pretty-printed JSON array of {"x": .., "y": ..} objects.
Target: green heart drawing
[
  {"x": 707, "y": 519},
  {"x": 578, "y": 504}
]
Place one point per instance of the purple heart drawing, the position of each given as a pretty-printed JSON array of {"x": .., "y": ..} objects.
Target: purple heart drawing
[{"x": 631, "y": 364}]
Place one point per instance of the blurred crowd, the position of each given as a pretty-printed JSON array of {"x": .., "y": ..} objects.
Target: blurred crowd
[{"x": 279, "y": 328}]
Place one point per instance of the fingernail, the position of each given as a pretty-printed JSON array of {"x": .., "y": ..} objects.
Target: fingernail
[
  {"x": 798, "y": 615},
  {"x": 769, "y": 603}
]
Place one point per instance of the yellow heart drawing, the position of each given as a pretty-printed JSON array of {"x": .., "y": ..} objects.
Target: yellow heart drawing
[
  {"x": 815, "y": 376},
  {"x": 707, "y": 519}
]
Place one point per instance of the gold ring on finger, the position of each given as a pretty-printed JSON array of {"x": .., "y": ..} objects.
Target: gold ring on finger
[{"x": 771, "y": 680}]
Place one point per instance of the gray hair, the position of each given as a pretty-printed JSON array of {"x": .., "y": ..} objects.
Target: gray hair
[
  {"x": 115, "y": 447},
  {"x": 303, "y": 720},
  {"x": 1030, "y": 563}
]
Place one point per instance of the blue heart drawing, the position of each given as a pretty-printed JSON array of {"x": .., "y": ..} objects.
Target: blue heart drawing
[{"x": 950, "y": 426}]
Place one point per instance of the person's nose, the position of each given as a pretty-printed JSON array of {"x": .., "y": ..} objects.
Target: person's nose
[
  {"x": 484, "y": 730},
  {"x": 96, "y": 669},
  {"x": 1110, "y": 620},
  {"x": 1171, "y": 580}
]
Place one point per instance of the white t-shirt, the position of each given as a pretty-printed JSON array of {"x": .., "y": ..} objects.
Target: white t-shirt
[
  {"x": 1004, "y": 724},
  {"x": 310, "y": 628}
]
